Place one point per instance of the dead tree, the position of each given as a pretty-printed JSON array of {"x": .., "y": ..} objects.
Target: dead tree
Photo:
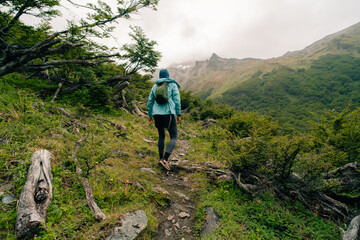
[
  {"x": 293, "y": 189},
  {"x": 35, "y": 196}
]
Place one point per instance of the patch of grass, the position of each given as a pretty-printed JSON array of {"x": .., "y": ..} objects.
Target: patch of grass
[{"x": 264, "y": 217}]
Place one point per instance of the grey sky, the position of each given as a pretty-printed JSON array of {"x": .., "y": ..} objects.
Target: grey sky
[{"x": 194, "y": 29}]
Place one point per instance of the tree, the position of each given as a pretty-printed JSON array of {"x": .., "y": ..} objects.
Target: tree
[{"x": 42, "y": 53}]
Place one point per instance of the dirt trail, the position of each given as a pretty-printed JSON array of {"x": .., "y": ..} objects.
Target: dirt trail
[{"x": 178, "y": 218}]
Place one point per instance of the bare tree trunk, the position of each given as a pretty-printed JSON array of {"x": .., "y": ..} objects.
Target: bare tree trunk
[
  {"x": 124, "y": 103},
  {"x": 35, "y": 196}
]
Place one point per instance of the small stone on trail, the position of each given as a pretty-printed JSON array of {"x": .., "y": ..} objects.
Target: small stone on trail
[
  {"x": 182, "y": 154},
  {"x": 177, "y": 225},
  {"x": 167, "y": 232},
  {"x": 148, "y": 141},
  {"x": 184, "y": 215},
  {"x": 185, "y": 179},
  {"x": 160, "y": 190},
  {"x": 170, "y": 217},
  {"x": 182, "y": 195},
  {"x": 150, "y": 170},
  {"x": 173, "y": 221},
  {"x": 8, "y": 199}
]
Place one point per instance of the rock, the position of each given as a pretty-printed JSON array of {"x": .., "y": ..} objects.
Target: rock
[
  {"x": 121, "y": 153},
  {"x": 8, "y": 199},
  {"x": 182, "y": 195},
  {"x": 6, "y": 186},
  {"x": 167, "y": 232},
  {"x": 148, "y": 141},
  {"x": 132, "y": 224},
  {"x": 211, "y": 165},
  {"x": 160, "y": 190},
  {"x": 211, "y": 222},
  {"x": 150, "y": 170},
  {"x": 182, "y": 154},
  {"x": 225, "y": 177},
  {"x": 185, "y": 179},
  {"x": 177, "y": 225},
  {"x": 170, "y": 217},
  {"x": 184, "y": 215}
]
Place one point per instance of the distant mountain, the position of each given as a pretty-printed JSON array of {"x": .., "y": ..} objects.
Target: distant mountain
[{"x": 212, "y": 77}]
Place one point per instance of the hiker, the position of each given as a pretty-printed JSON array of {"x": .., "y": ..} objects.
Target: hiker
[{"x": 164, "y": 105}]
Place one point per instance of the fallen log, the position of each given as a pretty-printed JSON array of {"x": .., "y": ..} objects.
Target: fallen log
[
  {"x": 90, "y": 200},
  {"x": 35, "y": 196},
  {"x": 353, "y": 232}
]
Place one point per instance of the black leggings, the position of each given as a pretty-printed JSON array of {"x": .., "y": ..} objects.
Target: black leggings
[{"x": 168, "y": 122}]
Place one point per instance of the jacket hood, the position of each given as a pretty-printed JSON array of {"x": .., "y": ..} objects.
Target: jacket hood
[{"x": 168, "y": 80}]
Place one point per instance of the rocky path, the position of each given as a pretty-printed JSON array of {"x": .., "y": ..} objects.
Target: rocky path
[{"x": 177, "y": 219}]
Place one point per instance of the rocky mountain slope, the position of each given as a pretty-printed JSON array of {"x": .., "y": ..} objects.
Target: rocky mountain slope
[{"x": 214, "y": 76}]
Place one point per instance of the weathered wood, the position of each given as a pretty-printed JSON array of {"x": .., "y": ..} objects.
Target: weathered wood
[
  {"x": 353, "y": 232},
  {"x": 138, "y": 111},
  {"x": 90, "y": 200},
  {"x": 74, "y": 122},
  {"x": 118, "y": 126},
  {"x": 57, "y": 92},
  {"x": 294, "y": 189},
  {"x": 35, "y": 196},
  {"x": 121, "y": 86}
]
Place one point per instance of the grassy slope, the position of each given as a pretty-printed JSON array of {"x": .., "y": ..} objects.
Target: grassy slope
[{"x": 28, "y": 125}]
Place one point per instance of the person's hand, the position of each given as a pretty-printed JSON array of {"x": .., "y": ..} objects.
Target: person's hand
[
  {"x": 178, "y": 119},
  {"x": 151, "y": 120}
]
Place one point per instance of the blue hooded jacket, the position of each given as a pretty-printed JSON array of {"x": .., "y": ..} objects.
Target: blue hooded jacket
[{"x": 174, "y": 104}]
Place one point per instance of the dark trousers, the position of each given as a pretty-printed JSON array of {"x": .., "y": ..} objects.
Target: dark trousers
[{"x": 168, "y": 122}]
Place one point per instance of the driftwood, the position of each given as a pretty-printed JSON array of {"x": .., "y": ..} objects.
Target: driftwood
[
  {"x": 35, "y": 196},
  {"x": 353, "y": 232},
  {"x": 90, "y": 200}
]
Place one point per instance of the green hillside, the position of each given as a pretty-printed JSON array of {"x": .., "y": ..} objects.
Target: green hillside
[
  {"x": 86, "y": 105},
  {"x": 292, "y": 96},
  {"x": 112, "y": 159}
]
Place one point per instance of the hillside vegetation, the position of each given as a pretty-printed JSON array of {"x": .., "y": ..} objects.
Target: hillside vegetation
[
  {"x": 111, "y": 159},
  {"x": 293, "y": 96},
  {"x": 290, "y": 88},
  {"x": 65, "y": 93}
]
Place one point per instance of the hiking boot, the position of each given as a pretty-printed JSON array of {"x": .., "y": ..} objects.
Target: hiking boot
[{"x": 165, "y": 164}]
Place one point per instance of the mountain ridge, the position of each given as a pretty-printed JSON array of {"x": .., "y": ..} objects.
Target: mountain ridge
[{"x": 211, "y": 77}]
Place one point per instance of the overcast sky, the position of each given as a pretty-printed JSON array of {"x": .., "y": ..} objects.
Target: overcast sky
[{"x": 194, "y": 29}]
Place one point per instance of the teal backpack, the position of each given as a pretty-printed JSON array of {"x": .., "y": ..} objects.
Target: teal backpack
[{"x": 161, "y": 93}]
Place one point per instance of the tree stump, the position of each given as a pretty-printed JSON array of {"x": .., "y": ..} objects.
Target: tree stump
[{"x": 35, "y": 197}]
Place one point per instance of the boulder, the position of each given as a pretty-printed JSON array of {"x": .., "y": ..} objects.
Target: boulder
[{"x": 132, "y": 224}]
